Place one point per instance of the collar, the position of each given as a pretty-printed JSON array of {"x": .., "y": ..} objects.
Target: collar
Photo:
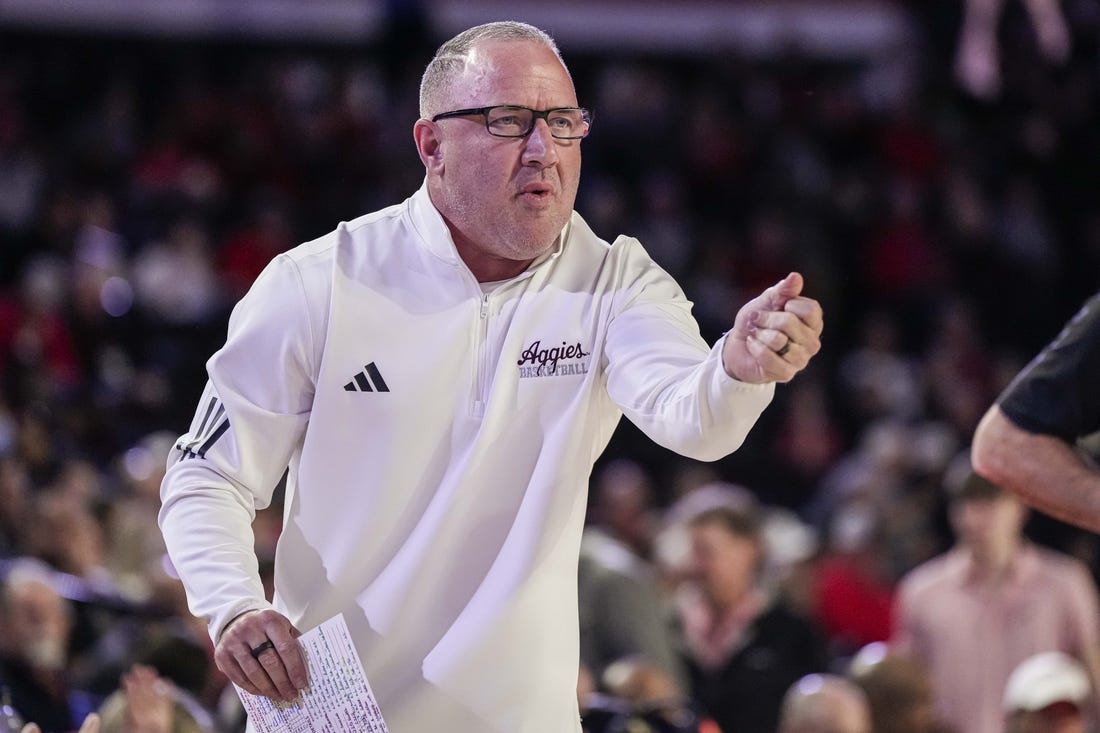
[
  {"x": 433, "y": 232},
  {"x": 713, "y": 638},
  {"x": 1023, "y": 563},
  {"x": 430, "y": 227}
]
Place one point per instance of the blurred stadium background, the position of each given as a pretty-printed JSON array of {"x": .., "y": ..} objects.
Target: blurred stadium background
[{"x": 941, "y": 195}]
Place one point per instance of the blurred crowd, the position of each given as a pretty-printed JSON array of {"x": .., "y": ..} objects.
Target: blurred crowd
[{"x": 948, "y": 231}]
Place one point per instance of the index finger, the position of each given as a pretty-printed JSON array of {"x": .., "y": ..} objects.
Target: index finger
[
  {"x": 807, "y": 310},
  {"x": 285, "y": 638},
  {"x": 294, "y": 661}
]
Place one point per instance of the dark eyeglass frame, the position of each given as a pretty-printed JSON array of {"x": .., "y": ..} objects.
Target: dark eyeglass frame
[{"x": 536, "y": 115}]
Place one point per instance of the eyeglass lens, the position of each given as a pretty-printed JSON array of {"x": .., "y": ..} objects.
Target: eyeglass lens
[{"x": 518, "y": 121}]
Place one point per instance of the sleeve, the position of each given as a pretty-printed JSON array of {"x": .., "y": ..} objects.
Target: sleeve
[
  {"x": 906, "y": 638},
  {"x": 663, "y": 376},
  {"x": 816, "y": 648},
  {"x": 1083, "y": 611},
  {"x": 1058, "y": 393},
  {"x": 250, "y": 420}
]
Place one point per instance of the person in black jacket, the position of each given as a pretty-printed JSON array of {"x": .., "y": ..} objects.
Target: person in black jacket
[{"x": 743, "y": 648}]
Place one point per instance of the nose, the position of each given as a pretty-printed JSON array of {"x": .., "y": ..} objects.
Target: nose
[{"x": 539, "y": 147}]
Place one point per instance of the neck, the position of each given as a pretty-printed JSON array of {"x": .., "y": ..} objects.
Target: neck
[
  {"x": 729, "y": 601},
  {"x": 487, "y": 268},
  {"x": 992, "y": 561}
]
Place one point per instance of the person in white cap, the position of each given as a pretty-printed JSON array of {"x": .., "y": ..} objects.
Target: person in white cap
[{"x": 1046, "y": 693}]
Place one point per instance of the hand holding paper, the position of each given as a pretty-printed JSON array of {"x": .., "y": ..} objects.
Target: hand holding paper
[{"x": 338, "y": 698}]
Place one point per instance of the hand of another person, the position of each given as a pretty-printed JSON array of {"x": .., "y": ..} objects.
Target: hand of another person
[
  {"x": 150, "y": 705},
  {"x": 259, "y": 652},
  {"x": 774, "y": 334}
]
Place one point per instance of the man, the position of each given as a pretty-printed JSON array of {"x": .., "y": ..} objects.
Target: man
[
  {"x": 971, "y": 615},
  {"x": 439, "y": 377},
  {"x": 621, "y": 612},
  {"x": 1047, "y": 693},
  {"x": 899, "y": 693},
  {"x": 35, "y": 626},
  {"x": 744, "y": 648},
  {"x": 1027, "y": 441},
  {"x": 824, "y": 703}
]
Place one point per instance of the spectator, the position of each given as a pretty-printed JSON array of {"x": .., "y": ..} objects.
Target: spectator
[
  {"x": 621, "y": 614},
  {"x": 854, "y": 599},
  {"x": 876, "y": 377},
  {"x": 898, "y": 691},
  {"x": 622, "y": 509},
  {"x": 135, "y": 548},
  {"x": 743, "y": 648},
  {"x": 175, "y": 280},
  {"x": 1047, "y": 693},
  {"x": 245, "y": 254},
  {"x": 35, "y": 625},
  {"x": 37, "y": 347},
  {"x": 148, "y": 703},
  {"x": 823, "y": 703},
  {"x": 672, "y": 545},
  {"x": 65, "y": 532},
  {"x": 971, "y": 615}
]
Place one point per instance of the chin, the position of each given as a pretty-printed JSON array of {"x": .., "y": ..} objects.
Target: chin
[
  {"x": 527, "y": 253},
  {"x": 530, "y": 247}
]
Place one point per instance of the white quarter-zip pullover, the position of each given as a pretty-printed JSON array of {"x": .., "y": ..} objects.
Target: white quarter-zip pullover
[{"x": 439, "y": 440}]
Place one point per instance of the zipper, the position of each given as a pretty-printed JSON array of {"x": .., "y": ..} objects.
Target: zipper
[{"x": 481, "y": 359}]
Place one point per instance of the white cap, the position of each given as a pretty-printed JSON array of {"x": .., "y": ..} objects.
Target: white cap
[{"x": 1045, "y": 679}]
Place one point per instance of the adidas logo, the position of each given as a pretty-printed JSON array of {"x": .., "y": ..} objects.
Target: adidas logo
[
  {"x": 368, "y": 380},
  {"x": 214, "y": 425}
]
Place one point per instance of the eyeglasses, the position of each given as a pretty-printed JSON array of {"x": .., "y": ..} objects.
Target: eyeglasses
[{"x": 565, "y": 123}]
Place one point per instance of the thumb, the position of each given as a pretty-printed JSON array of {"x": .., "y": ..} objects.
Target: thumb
[{"x": 787, "y": 288}]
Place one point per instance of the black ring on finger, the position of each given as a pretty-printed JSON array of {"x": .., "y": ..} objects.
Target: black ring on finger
[
  {"x": 786, "y": 347},
  {"x": 256, "y": 651}
]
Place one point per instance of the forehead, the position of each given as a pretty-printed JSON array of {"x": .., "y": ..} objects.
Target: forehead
[
  {"x": 1000, "y": 502},
  {"x": 713, "y": 533},
  {"x": 33, "y": 595},
  {"x": 514, "y": 72}
]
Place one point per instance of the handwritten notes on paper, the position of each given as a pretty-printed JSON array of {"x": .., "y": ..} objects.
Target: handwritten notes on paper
[{"x": 338, "y": 699}]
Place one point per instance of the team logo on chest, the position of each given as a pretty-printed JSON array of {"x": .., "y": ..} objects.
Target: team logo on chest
[{"x": 538, "y": 360}]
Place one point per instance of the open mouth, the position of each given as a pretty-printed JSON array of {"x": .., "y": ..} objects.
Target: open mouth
[{"x": 536, "y": 191}]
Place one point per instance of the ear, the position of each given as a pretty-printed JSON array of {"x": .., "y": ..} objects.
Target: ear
[{"x": 429, "y": 145}]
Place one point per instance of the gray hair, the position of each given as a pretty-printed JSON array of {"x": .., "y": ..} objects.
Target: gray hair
[
  {"x": 451, "y": 57},
  {"x": 22, "y": 572}
]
